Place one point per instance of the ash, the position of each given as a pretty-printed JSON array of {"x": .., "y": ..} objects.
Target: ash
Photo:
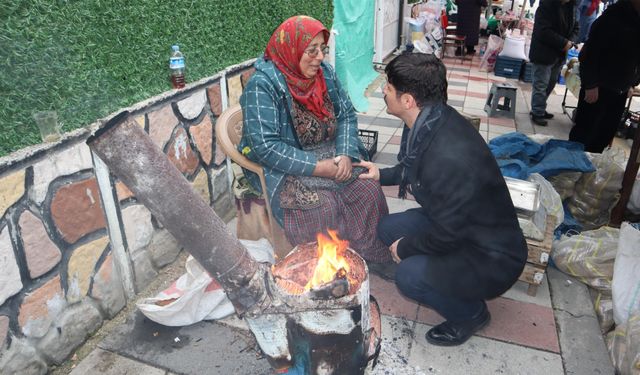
[{"x": 392, "y": 361}]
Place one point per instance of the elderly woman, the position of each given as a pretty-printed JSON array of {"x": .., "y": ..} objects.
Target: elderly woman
[{"x": 299, "y": 124}]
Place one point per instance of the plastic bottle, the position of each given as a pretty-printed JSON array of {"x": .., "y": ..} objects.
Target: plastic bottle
[{"x": 176, "y": 65}]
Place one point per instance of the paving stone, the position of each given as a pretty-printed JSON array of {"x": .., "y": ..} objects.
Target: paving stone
[
  {"x": 161, "y": 125},
  {"x": 163, "y": 248},
  {"x": 202, "y": 135},
  {"x": 10, "y": 281},
  {"x": 11, "y": 189},
  {"x": 143, "y": 269},
  {"x": 107, "y": 289},
  {"x": 220, "y": 182},
  {"x": 219, "y": 156},
  {"x": 4, "y": 330},
  {"x": 65, "y": 162},
  {"x": 191, "y": 107},
  {"x": 181, "y": 154},
  {"x": 81, "y": 266},
  {"x": 234, "y": 85},
  {"x": 138, "y": 228},
  {"x": 215, "y": 100},
  {"x": 40, "y": 307},
  {"x": 201, "y": 185},
  {"x": 108, "y": 363},
  {"x": 76, "y": 210},
  {"x": 122, "y": 191},
  {"x": 246, "y": 75},
  {"x": 139, "y": 120},
  {"x": 41, "y": 253},
  {"x": 22, "y": 358},
  {"x": 74, "y": 326}
]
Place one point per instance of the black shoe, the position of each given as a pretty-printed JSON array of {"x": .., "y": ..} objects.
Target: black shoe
[
  {"x": 458, "y": 51},
  {"x": 452, "y": 334},
  {"x": 539, "y": 120},
  {"x": 548, "y": 115}
]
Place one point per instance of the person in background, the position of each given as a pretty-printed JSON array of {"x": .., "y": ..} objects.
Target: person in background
[
  {"x": 468, "y": 22},
  {"x": 463, "y": 245},
  {"x": 300, "y": 126},
  {"x": 587, "y": 13},
  {"x": 609, "y": 69},
  {"x": 554, "y": 32}
]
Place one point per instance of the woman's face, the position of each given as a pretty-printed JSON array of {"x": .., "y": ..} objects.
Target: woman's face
[{"x": 310, "y": 64}]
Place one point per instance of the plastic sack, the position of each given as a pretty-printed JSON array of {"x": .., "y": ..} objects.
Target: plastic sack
[
  {"x": 588, "y": 256},
  {"x": 603, "y": 304},
  {"x": 623, "y": 344},
  {"x": 494, "y": 46},
  {"x": 195, "y": 296},
  {"x": 565, "y": 183},
  {"x": 626, "y": 276},
  {"x": 634, "y": 199},
  {"x": 549, "y": 198},
  {"x": 514, "y": 47},
  {"x": 596, "y": 193}
]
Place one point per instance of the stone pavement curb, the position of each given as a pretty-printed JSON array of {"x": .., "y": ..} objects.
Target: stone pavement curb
[{"x": 581, "y": 342}]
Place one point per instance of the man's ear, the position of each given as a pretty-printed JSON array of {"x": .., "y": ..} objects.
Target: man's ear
[{"x": 408, "y": 101}]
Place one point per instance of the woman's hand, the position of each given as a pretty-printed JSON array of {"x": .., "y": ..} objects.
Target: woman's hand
[
  {"x": 326, "y": 168},
  {"x": 394, "y": 251},
  {"x": 373, "y": 172},
  {"x": 591, "y": 95},
  {"x": 343, "y": 163}
]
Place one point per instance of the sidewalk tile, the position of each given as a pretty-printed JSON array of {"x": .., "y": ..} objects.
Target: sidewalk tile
[{"x": 391, "y": 301}]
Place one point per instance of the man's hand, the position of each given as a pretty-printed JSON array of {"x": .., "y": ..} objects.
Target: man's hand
[
  {"x": 567, "y": 46},
  {"x": 343, "y": 163},
  {"x": 591, "y": 95},
  {"x": 394, "y": 251},
  {"x": 373, "y": 172}
]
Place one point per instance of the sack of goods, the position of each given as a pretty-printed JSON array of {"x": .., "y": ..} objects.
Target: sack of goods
[{"x": 514, "y": 45}]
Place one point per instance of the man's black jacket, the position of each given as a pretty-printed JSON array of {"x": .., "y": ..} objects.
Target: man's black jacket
[
  {"x": 554, "y": 24},
  {"x": 475, "y": 246}
]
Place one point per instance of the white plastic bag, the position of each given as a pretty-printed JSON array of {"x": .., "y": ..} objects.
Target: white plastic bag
[
  {"x": 634, "y": 199},
  {"x": 494, "y": 46},
  {"x": 626, "y": 275},
  {"x": 549, "y": 198},
  {"x": 589, "y": 256},
  {"x": 195, "y": 296},
  {"x": 514, "y": 47}
]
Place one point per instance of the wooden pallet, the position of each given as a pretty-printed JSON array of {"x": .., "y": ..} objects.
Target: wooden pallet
[{"x": 538, "y": 258}]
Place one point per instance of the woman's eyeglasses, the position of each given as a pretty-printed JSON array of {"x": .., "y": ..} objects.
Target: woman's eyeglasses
[{"x": 313, "y": 52}]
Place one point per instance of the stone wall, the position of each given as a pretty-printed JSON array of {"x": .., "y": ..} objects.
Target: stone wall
[{"x": 75, "y": 244}]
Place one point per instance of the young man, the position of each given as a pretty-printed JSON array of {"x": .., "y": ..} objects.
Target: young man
[
  {"x": 463, "y": 245},
  {"x": 554, "y": 31}
]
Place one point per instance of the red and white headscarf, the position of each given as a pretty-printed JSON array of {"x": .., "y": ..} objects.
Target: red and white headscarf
[{"x": 285, "y": 49}]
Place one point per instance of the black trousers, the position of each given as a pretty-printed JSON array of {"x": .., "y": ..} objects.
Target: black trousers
[{"x": 596, "y": 123}]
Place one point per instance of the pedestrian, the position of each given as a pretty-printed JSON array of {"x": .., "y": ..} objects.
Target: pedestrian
[
  {"x": 300, "y": 126},
  {"x": 468, "y": 22},
  {"x": 609, "y": 69},
  {"x": 463, "y": 245},
  {"x": 588, "y": 11},
  {"x": 554, "y": 31}
]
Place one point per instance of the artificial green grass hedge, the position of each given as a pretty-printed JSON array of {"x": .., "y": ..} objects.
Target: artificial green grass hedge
[{"x": 87, "y": 58}]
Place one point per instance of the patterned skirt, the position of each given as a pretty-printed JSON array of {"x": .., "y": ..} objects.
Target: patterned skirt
[{"x": 354, "y": 211}]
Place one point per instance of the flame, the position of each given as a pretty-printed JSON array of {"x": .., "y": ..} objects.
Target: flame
[{"x": 330, "y": 259}]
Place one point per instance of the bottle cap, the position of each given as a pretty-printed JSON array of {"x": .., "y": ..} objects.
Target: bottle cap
[{"x": 175, "y": 47}]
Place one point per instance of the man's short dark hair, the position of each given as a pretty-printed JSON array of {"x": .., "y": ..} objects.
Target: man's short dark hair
[{"x": 421, "y": 75}]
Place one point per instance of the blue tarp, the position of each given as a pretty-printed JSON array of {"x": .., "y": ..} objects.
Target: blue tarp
[{"x": 518, "y": 156}]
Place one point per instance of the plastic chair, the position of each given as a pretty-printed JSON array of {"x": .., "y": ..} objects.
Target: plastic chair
[
  {"x": 501, "y": 90},
  {"x": 228, "y": 135}
]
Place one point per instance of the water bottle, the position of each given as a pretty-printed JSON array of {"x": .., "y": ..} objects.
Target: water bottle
[{"x": 176, "y": 65}]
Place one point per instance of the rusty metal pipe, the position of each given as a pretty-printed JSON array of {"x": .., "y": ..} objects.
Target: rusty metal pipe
[{"x": 132, "y": 156}]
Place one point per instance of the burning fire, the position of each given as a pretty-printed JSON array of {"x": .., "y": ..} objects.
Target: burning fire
[{"x": 331, "y": 261}]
